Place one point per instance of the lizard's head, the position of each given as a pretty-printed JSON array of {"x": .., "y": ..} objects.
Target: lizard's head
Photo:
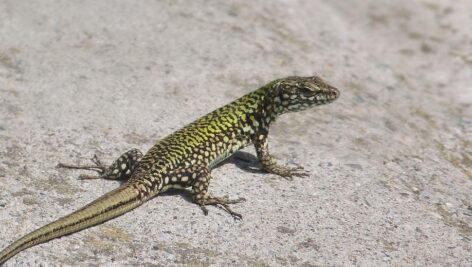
[{"x": 298, "y": 93}]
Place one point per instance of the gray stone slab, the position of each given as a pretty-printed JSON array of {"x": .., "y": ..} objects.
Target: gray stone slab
[{"x": 390, "y": 161}]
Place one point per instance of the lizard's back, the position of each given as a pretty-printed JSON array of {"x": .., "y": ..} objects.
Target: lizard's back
[{"x": 207, "y": 141}]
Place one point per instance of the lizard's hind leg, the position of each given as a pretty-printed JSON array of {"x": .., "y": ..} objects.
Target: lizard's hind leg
[
  {"x": 120, "y": 169},
  {"x": 202, "y": 198}
]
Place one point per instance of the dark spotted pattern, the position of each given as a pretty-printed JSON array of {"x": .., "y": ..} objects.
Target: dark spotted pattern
[{"x": 123, "y": 167}]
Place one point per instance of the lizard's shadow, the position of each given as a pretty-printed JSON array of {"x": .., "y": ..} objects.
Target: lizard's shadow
[{"x": 245, "y": 161}]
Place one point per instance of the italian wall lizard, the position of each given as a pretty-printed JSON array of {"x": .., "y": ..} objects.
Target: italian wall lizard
[{"x": 185, "y": 158}]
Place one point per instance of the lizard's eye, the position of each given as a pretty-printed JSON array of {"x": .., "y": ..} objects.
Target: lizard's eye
[{"x": 306, "y": 90}]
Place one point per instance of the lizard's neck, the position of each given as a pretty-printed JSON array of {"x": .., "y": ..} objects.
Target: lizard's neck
[{"x": 270, "y": 108}]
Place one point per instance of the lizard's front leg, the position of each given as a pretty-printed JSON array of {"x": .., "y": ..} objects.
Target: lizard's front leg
[
  {"x": 120, "y": 169},
  {"x": 269, "y": 164}
]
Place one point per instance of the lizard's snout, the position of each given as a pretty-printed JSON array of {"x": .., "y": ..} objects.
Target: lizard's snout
[
  {"x": 335, "y": 93},
  {"x": 331, "y": 94}
]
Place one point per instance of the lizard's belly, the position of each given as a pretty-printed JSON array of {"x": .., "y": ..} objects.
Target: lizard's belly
[{"x": 227, "y": 151}]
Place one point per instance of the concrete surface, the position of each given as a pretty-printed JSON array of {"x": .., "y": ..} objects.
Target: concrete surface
[{"x": 390, "y": 161}]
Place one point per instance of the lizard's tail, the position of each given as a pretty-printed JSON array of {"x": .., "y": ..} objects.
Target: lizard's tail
[{"x": 110, "y": 205}]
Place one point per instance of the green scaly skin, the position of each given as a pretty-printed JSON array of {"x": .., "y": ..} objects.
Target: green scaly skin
[{"x": 185, "y": 158}]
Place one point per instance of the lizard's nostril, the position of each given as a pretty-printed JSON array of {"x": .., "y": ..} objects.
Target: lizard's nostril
[{"x": 335, "y": 93}]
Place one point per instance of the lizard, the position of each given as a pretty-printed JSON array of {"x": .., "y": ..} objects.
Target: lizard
[{"x": 185, "y": 158}]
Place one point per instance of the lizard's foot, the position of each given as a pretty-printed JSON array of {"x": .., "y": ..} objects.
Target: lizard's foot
[
  {"x": 222, "y": 203},
  {"x": 286, "y": 171},
  {"x": 120, "y": 169},
  {"x": 98, "y": 167}
]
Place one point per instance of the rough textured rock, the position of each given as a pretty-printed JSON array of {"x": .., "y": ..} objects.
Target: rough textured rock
[{"x": 390, "y": 161}]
